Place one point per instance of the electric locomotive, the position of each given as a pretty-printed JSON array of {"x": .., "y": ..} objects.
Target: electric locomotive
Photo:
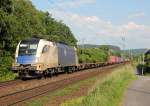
[{"x": 40, "y": 57}]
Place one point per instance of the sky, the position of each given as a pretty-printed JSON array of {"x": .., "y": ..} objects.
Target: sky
[{"x": 125, "y": 23}]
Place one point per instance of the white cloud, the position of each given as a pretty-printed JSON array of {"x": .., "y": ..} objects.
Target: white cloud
[
  {"x": 74, "y": 3},
  {"x": 137, "y": 27},
  {"x": 95, "y": 30},
  {"x": 136, "y": 15},
  {"x": 132, "y": 26}
]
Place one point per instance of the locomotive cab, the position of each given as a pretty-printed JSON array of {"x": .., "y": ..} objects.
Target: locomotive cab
[{"x": 26, "y": 58}]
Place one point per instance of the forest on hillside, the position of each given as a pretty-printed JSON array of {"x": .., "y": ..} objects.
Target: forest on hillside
[{"x": 19, "y": 19}]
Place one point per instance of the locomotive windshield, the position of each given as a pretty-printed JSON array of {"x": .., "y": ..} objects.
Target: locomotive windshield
[{"x": 28, "y": 48}]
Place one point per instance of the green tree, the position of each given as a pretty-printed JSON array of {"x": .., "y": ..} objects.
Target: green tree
[
  {"x": 19, "y": 20},
  {"x": 6, "y": 5}
]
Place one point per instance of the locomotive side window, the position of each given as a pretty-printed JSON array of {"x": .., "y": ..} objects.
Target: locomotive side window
[{"x": 45, "y": 49}]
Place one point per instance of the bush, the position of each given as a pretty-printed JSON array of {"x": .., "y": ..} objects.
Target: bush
[{"x": 5, "y": 67}]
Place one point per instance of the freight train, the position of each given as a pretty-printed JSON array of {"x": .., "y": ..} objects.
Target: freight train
[{"x": 40, "y": 57}]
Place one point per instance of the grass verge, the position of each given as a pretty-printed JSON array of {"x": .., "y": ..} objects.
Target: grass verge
[{"x": 109, "y": 91}]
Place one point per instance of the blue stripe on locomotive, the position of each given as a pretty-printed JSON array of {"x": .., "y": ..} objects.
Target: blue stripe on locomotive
[{"x": 26, "y": 59}]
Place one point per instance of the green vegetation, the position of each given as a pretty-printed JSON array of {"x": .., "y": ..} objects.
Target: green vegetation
[
  {"x": 108, "y": 92},
  {"x": 19, "y": 19},
  {"x": 90, "y": 55},
  {"x": 96, "y": 54},
  {"x": 5, "y": 64},
  {"x": 144, "y": 68},
  {"x": 147, "y": 59},
  {"x": 112, "y": 47}
]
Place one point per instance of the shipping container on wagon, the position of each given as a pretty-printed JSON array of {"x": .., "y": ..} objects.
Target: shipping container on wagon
[
  {"x": 115, "y": 59},
  {"x": 112, "y": 59}
]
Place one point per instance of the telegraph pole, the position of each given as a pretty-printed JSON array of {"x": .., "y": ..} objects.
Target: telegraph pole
[
  {"x": 83, "y": 39},
  {"x": 123, "y": 46}
]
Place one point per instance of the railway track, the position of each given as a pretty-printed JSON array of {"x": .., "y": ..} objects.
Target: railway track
[
  {"x": 9, "y": 83},
  {"x": 24, "y": 95}
]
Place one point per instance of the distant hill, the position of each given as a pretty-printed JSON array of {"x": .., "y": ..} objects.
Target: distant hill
[
  {"x": 115, "y": 48},
  {"x": 135, "y": 51},
  {"x": 88, "y": 46}
]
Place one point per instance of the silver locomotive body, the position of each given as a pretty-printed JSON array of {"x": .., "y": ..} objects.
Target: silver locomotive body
[{"x": 37, "y": 57}]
